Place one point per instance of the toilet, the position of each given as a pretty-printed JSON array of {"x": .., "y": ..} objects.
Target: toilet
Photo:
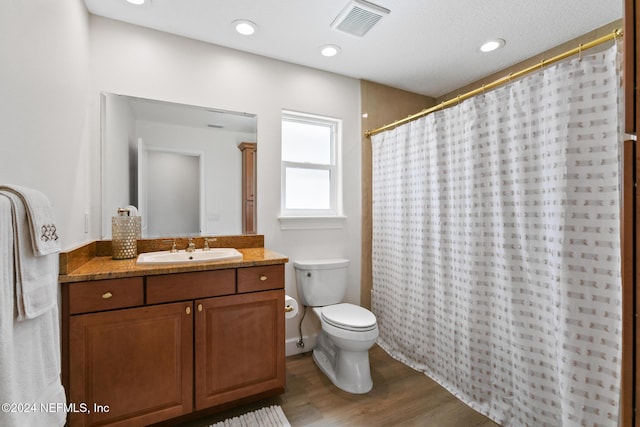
[{"x": 348, "y": 330}]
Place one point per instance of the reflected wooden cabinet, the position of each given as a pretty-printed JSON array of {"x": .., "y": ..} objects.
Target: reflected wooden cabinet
[
  {"x": 248, "y": 187},
  {"x": 150, "y": 349}
]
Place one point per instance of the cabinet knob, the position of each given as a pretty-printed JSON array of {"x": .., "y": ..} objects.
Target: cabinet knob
[
  {"x": 188, "y": 310},
  {"x": 107, "y": 295},
  {"x": 263, "y": 277},
  {"x": 199, "y": 307}
]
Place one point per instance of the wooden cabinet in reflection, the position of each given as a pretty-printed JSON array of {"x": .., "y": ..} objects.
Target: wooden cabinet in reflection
[{"x": 248, "y": 187}]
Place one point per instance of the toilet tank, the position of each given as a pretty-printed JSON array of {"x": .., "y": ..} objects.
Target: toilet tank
[{"x": 321, "y": 282}]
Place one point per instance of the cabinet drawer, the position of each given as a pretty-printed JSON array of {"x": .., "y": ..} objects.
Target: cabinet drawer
[
  {"x": 252, "y": 279},
  {"x": 99, "y": 295},
  {"x": 186, "y": 286}
]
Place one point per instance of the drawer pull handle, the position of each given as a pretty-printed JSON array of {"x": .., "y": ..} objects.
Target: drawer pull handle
[
  {"x": 263, "y": 277},
  {"x": 188, "y": 310},
  {"x": 199, "y": 307},
  {"x": 107, "y": 295}
]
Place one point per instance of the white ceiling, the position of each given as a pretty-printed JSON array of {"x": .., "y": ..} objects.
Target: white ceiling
[{"x": 429, "y": 47}]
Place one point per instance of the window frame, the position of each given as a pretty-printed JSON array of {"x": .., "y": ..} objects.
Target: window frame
[{"x": 334, "y": 168}]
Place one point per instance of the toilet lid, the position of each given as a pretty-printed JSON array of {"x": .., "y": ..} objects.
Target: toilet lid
[{"x": 349, "y": 316}]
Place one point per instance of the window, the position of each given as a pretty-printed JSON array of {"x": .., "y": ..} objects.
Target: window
[{"x": 310, "y": 166}]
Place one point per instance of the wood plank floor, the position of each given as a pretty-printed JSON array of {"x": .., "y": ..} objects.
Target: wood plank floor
[{"x": 400, "y": 397}]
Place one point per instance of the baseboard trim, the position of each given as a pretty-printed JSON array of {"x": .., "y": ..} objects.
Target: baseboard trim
[{"x": 291, "y": 345}]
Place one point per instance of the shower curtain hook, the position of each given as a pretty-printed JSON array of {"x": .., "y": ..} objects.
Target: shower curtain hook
[
  {"x": 542, "y": 64},
  {"x": 580, "y": 52},
  {"x": 617, "y": 34}
]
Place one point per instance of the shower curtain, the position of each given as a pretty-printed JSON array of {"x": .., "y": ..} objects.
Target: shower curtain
[{"x": 496, "y": 254}]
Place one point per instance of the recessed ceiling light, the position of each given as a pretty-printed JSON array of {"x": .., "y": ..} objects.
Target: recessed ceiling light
[
  {"x": 492, "y": 45},
  {"x": 329, "y": 50},
  {"x": 136, "y": 2},
  {"x": 244, "y": 27}
]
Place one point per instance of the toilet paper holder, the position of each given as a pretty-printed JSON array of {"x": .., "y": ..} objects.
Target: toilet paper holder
[{"x": 290, "y": 307}]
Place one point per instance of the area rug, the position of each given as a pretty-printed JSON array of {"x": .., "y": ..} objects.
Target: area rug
[{"x": 271, "y": 416}]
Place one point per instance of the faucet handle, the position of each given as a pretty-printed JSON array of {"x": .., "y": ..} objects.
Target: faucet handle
[
  {"x": 206, "y": 243},
  {"x": 173, "y": 245}
]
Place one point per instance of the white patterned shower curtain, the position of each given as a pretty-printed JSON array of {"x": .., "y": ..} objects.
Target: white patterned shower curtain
[{"x": 496, "y": 247}]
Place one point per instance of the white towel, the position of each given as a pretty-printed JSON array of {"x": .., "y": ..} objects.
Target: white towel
[
  {"x": 41, "y": 217},
  {"x": 29, "y": 349},
  {"x": 35, "y": 276}
]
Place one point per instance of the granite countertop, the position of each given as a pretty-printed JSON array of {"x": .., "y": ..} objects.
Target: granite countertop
[{"x": 105, "y": 267}]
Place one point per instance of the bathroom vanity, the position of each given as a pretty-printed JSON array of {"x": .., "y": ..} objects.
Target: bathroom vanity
[{"x": 145, "y": 344}]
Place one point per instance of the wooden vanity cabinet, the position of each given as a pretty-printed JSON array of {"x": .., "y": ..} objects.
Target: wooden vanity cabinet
[
  {"x": 239, "y": 347},
  {"x": 135, "y": 365},
  {"x": 150, "y": 353}
]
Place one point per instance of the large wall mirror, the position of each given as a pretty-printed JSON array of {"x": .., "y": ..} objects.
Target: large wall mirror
[{"x": 179, "y": 166}]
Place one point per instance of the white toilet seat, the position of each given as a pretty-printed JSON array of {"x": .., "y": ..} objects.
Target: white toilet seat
[{"x": 349, "y": 317}]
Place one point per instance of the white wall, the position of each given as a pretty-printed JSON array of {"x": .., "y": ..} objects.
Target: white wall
[
  {"x": 131, "y": 60},
  {"x": 44, "y": 82}
]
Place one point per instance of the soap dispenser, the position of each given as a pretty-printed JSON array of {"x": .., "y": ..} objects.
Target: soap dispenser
[{"x": 125, "y": 230}]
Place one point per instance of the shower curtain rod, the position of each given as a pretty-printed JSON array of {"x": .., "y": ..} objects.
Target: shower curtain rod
[{"x": 578, "y": 50}]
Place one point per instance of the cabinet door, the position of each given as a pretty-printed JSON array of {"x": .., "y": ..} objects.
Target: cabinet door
[
  {"x": 239, "y": 347},
  {"x": 137, "y": 363}
]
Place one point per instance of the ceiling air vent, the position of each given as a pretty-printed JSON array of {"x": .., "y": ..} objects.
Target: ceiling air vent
[{"x": 358, "y": 17}]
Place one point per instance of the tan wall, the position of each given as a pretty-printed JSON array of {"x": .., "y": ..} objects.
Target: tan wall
[{"x": 383, "y": 105}]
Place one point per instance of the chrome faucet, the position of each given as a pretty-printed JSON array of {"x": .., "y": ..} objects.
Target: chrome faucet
[{"x": 191, "y": 247}]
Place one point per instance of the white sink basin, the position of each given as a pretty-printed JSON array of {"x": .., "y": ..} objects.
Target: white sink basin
[{"x": 183, "y": 257}]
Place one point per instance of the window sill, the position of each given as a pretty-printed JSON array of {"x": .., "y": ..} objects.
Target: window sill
[{"x": 311, "y": 222}]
